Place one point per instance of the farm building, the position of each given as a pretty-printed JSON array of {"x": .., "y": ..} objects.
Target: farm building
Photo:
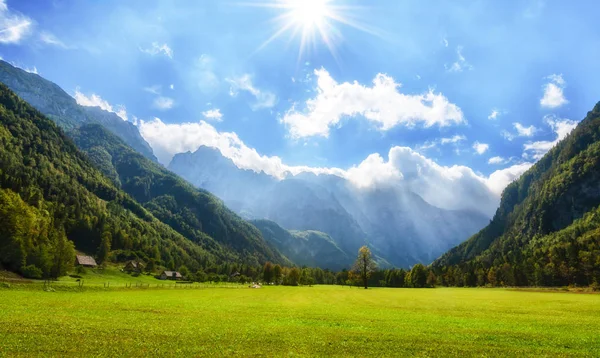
[
  {"x": 170, "y": 275},
  {"x": 85, "y": 261},
  {"x": 134, "y": 266}
]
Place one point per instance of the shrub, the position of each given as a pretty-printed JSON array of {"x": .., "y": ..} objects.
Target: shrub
[{"x": 31, "y": 271}]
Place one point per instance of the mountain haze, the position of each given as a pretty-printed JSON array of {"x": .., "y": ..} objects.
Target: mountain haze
[{"x": 400, "y": 226}]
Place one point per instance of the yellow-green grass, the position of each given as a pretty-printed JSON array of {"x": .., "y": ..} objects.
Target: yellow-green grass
[{"x": 306, "y": 321}]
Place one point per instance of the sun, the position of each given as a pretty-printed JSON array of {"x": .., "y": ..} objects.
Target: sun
[
  {"x": 309, "y": 13},
  {"x": 314, "y": 22}
]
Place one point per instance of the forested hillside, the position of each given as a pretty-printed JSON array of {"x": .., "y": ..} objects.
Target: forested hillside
[
  {"x": 195, "y": 213},
  {"x": 547, "y": 229},
  {"x": 51, "y": 195}
]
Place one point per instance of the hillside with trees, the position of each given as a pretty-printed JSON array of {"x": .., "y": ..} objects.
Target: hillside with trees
[
  {"x": 195, "y": 213},
  {"x": 54, "y": 200},
  {"x": 546, "y": 231}
]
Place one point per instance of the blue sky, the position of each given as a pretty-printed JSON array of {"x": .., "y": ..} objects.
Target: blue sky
[{"x": 486, "y": 86}]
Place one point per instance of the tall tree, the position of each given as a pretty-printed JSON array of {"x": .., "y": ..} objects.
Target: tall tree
[
  {"x": 268, "y": 272},
  {"x": 364, "y": 265}
]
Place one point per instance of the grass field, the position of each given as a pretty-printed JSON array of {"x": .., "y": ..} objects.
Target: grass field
[{"x": 291, "y": 321}]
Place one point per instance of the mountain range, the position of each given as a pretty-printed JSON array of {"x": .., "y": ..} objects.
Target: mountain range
[
  {"x": 75, "y": 177},
  {"x": 401, "y": 227}
]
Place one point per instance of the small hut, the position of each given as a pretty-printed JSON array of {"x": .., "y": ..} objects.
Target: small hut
[
  {"x": 85, "y": 261},
  {"x": 134, "y": 266},
  {"x": 170, "y": 275}
]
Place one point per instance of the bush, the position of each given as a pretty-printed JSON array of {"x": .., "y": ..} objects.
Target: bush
[
  {"x": 31, "y": 271},
  {"x": 4, "y": 285}
]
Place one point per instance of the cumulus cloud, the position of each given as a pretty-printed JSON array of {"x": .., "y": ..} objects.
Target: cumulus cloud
[
  {"x": 95, "y": 100},
  {"x": 523, "y": 131},
  {"x": 455, "y": 187},
  {"x": 480, "y": 148},
  {"x": 494, "y": 115},
  {"x": 382, "y": 104},
  {"x": 497, "y": 160},
  {"x": 499, "y": 179},
  {"x": 169, "y": 139},
  {"x": 461, "y": 63},
  {"x": 561, "y": 127},
  {"x": 264, "y": 99},
  {"x": 158, "y": 48},
  {"x": 554, "y": 92},
  {"x": 163, "y": 103},
  {"x": 213, "y": 114},
  {"x": 14, "y": 27}
]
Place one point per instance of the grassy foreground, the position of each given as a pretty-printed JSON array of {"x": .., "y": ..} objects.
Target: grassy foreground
[{"x": 315, "y": 321}]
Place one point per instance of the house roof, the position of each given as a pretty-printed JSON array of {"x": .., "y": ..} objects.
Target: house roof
[
  {"x": 86, "y": 260},
  {"x": 170, "y": 273},
  {"x": 135, "y": 264}
]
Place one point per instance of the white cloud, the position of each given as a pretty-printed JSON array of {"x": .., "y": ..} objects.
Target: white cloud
[
  {"x": 154, "y": 89},
  {"x": 50, "y": 39},
  {"x": 163, "y": 103},
  {"x": 14, "y": 27},
  {"x": 454, "y": 139},
  {"x": 554, "y": 92},
  {"x": 381, "y": 104},
  {"x": 523, "y": 131},
  {"x": 213, "y": 114},
  {"x": 264, "y": 99},
  {"x": 158, "y": 49},
  {"x": 497, "y": 160},
  {"x": 499, "y": 179},
  {"x": 172, "y": 86},
  {"x": 95, "y": 100},
  {"x": 31, "y": 70},
  {"x": 480, "y": 148},
  {"x": 455, "y": 187},
  {"x": 445, "y": 42},
  {"x": 561, "y": 127},
  {"x": 494, "y": 115},
  {"x": 461, "y": 62}
]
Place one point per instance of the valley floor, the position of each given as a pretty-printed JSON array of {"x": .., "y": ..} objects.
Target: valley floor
[{"x": 307, "y": 321}]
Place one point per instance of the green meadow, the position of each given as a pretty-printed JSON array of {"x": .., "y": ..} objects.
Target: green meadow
[{"x": 298, "y": 321}]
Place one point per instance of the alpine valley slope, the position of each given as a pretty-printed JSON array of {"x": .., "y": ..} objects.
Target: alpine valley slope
[
  {"x": 547, "y": 229},
  {"x": 196, "y": 214},
  {"x": 394, "y": 221},
  {"x": 51, "y": 196}
]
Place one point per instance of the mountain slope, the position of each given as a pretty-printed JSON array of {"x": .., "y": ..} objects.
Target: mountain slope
[
  {"x": 305, "y": 248},
  {"x": 195, "y": 213},
  {"x": 538, "y": 209},
  {"x": 59, "y": 106},
  {"x": 52, "y": 195}
]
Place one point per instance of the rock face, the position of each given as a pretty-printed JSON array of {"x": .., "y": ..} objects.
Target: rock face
[
  {"x": 52, "y": 101},
  {"x": 399, "y": 225}
]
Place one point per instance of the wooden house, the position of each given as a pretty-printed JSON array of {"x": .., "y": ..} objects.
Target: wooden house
[
  {"x": 134, "y": 266},
  {"x": 170, "y": 275},
  {"x": 85, "y": 261}
]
